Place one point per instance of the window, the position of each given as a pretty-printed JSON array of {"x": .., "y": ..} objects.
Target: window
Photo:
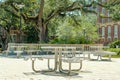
[
  {"x": 109, "y": 31},
  {"x": 115, "y": 31},
  {"x": 108, "y": 16},
  {"x": 103, "y": 12},
  {"x": 103, "y": 32}
]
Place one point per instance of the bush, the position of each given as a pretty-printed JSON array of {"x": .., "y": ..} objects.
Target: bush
[
  {"x": 54, "y": 41},
  {"x": 81, "y": 40},
  {"x": 117, "y": 50},
  {"x": 114, "y": 44}
]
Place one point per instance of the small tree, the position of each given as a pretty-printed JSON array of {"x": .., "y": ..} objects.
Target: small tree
[{"x": 70, "y": 32}]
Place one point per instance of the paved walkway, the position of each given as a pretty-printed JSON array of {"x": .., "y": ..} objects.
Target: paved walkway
[{"x": 18, "y": 69}]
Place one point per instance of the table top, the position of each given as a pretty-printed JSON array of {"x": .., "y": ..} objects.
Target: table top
[
  {"x": 56, "y": 47},
  {"x": 42, "y": 56}
]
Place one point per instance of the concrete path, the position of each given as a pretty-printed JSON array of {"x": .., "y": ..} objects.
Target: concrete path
[{"x": 18, "y": 69}]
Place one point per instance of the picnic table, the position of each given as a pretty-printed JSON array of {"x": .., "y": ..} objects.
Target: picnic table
[
  {"x": 58, "y": 58},
  {"x": 18, "y": 50},
  {"x": 99, "y": 54}
]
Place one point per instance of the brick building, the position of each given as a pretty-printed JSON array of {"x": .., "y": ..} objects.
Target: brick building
[{"x": 108, "y": 30}]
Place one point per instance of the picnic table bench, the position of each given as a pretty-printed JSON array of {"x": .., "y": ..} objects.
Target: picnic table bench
[
  {"x": 18, "y": 50},
  {"x": 100, "y": 54},
  {"x": 82, "y": 49}
]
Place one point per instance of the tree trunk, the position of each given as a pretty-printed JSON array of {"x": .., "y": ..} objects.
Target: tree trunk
[
  {"x": 43, "y": 33},
  {"x": 4, "y": 39},
  {"x": 4, "y": 42},
  {"x": 41, "y": 25}
]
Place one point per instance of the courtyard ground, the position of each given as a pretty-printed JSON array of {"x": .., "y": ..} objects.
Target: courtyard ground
[{"x": 18, "y": 69}]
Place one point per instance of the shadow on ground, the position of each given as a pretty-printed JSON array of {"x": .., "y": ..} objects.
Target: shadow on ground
[
  {"x": 72, "y": 74},
  {"x": 105, "y": 60}
]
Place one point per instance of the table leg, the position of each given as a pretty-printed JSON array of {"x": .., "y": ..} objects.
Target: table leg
[
  {"x": 49, "y": 66},
  {"x": 84, "y": 56},
  {"x": 109, "y": 57},
  {"x": 69, "y": 68},
  {"x": 56, "y": 60},
  {"x": 18, "y": 55},
  {"x": 79, "y": 67},
  {"x": 89, "y": 56},
  {"x": 33, "y": 66}
]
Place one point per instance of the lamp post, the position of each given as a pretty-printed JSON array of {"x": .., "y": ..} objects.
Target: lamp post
[{"x": 20, "y": 9}]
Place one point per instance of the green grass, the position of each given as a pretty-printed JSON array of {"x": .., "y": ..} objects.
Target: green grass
[
  {"x": 117, "y": 50},
  {"x": 113, "y": 56}
]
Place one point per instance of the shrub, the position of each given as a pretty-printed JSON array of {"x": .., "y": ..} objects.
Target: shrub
[
  {"x": 114, "y": 44},
  {"x": 117, "y": 50}
]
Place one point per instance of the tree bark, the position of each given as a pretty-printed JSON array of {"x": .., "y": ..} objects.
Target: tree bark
[
  {"x": 43, "y": 33},
  {"x": 40, "y": 22},
  {"x": 4, "y": 41}
]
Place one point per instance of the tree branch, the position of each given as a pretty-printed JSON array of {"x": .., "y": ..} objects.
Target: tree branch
[
  {"x": 103, "y": 16},
  {"x": 40, "y": 15},
  {"x": 90, "y": 5},
  {"x": 114, "y": 2},
  {"x": 58, "y": 11},
  {"x": 76, "y": 22},
  {"x": 3, "y": 20},
  {"x": 86, "y": 10},
  {"x": 50, "y": 16},
  {"x": 13, "y": 13},
  {"x": 13, "y": 5},
  {"x": 29, "y": 18}
]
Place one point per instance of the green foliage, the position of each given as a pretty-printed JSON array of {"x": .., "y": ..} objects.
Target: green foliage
[
  {"x": 117, "y": 50},
  {"x": 67, "y": 30},
  {"x": 115, "y": 11},
  {"x": 11, "y": 18},
  {"x": 7, "y": 16},
  {"x": 114, "y": 44},
  {"x": 32, "y": 35},
  {"x": 54, "y": 5}
]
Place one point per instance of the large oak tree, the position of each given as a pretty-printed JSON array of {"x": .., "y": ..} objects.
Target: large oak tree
[{"x": 46, "y": 10}]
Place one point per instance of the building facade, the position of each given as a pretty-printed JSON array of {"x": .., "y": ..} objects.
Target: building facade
[{"x": 108, "y": 30}]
